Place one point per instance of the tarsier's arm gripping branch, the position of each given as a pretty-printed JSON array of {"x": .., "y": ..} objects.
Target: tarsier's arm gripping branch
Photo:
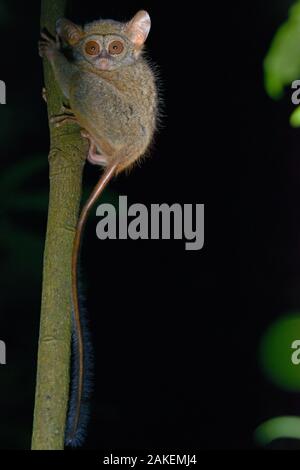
[{"x": 113, "y": 98}]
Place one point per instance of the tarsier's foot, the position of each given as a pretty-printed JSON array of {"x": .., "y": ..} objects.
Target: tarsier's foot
[
  {"x": 66, "y": 109},
  {"x": 65, "y": 116},
  {"x": 61, "y": 119},
  {"x": 48, "y": 45},
  {"x": 94, "y": 156},
  {"x": 44, "y": 94}
]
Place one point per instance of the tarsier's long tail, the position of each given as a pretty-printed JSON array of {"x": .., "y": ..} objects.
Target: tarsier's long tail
[
  {"x": 78, "y": 413},
  {"x": 81, "y": 366}
]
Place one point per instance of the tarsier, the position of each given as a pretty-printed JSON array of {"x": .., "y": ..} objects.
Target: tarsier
[{"x": 112, "y": 95}]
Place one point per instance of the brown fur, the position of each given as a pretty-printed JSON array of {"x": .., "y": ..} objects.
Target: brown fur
[{"x": 118, "y": 106}]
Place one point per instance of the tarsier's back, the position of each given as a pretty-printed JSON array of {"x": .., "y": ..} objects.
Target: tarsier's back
[{"x": 113, "y": 92}]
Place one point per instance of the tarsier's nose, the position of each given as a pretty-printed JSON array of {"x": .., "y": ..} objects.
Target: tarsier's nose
[{"x": 103, "y": 60}]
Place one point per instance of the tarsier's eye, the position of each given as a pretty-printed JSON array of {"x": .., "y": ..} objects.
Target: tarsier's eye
[
  {"x": 116, "y": 47},
  {"x": 92, "y": 48}
]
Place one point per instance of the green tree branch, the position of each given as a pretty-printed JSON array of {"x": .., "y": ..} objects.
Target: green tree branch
[{"x": 66, "y": 160}]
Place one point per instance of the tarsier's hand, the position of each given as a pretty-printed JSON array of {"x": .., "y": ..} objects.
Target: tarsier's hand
[{"x": 48, "y": 46}]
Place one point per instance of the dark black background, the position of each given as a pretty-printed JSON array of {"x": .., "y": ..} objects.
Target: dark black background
[{"x": 176, "y": 333}]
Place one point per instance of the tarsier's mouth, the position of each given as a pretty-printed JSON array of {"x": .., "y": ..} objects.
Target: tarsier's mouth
[{"x": 103, "y": 64}]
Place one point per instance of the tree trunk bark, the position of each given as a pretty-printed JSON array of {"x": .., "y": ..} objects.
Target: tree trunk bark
[{"x": 66, "y": 160}]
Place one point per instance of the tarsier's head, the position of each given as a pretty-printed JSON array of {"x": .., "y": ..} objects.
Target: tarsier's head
[{"x": 106, "y": 44}]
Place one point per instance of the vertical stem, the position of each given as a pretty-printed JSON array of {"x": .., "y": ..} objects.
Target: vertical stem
[{"x": 66, "y": 160}]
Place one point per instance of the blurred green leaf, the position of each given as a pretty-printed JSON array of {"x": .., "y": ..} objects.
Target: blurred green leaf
[
  {"x": 5, "y": 15},
  {"x": 282, "y": 62},
  {"x": 13, "y": 177},
  {"x": 295, "y": 117},
  {"x": 275, "y": 352},
  {"x": 282, "y": 427},
  {"x": 21, "y": 248},
  {"x": 37, "y": 202}
]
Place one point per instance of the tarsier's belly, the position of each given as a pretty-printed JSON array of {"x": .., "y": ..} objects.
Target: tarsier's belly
[{"x": 117, "y": 125}]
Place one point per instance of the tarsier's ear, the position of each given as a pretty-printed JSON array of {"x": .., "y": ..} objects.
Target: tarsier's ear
[
  {"x": 138, "y": 28},
  {"x": 68, "y": 31}
]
